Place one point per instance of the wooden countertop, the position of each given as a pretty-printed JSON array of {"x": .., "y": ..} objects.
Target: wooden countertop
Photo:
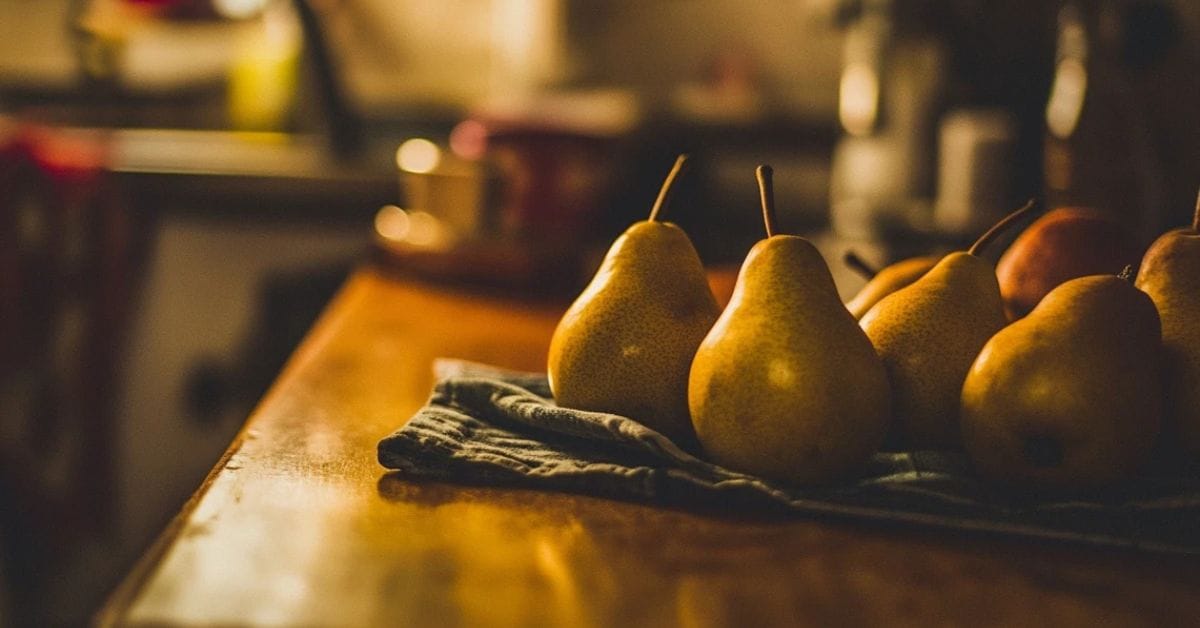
[{"x": 299, "y": 525}]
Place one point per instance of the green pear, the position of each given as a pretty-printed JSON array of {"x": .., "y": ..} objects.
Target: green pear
[
  {"x": 786, "y": 386},
  {"x": 929, "y": 332},
  {"x": 886, "y": 280},
  {"x": 1170, "y": 274},
  {"x": 626, "y": 344},
  {"x": 1069, "y": 397}
]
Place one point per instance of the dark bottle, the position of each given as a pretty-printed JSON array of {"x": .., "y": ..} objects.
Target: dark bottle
[{"x": 1099, "y": 148}]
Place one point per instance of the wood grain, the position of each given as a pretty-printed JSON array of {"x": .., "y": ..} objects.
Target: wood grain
[{"x": 298, "y": 525}]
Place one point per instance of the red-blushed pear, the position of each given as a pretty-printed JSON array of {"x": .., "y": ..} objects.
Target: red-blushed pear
[
  {"x": 1064, "y": 243},
  {"x": 786, "y": 385},
  {"x": 885, "y": 281},
  {"x": 1069, "y": 397},
  {"x": 929, "y": 332},
  {"x": 1170, "y": 274},
  {"x": 625, "y": 345}
]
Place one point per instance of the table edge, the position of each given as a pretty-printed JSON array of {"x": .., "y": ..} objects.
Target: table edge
[{"x": 122, "y": 598}]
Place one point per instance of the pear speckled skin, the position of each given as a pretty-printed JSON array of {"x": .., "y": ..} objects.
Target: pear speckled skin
[
  {"x": 889, "y": 280},
  {"x": 1170, "y": 274},
  {"x": 626, "y": 344},
  {"x": 1069, "y": 397},
  {"x": 786, "y": 385},
  {"x": 927, "y": 335}
]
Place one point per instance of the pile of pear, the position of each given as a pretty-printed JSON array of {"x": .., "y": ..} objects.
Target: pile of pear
[
  {"x": 929, "y": 332},
  {"x": 1170, "y": 275},
  {"x": 790, "y": 384},
  {"x": 782, "y": 383},
  {"x": 1078, "y": 394}
]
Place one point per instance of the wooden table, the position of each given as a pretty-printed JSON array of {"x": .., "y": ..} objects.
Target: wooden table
[{"x": 298, "y": 524}]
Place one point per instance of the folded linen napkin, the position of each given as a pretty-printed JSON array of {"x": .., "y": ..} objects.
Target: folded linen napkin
[{"x": 488, "y": 426}]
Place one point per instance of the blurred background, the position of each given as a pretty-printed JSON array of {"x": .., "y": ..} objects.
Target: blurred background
[{"x": 185, "y": 183}]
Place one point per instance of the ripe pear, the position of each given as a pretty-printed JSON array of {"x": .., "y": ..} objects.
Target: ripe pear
[
  {"x": 1069, "y": 397},
  {"x": 929, "y": 332},
  {"x": 626, "y": 344},
  {"x": 1170, "y": 274},
  {"x": 886, "y": 280},
  {"x": 1062, "y": 244},
  {"x": 786, "y": 386}
]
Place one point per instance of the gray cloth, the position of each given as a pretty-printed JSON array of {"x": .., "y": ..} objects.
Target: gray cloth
[{"x": 493, "y": 427}]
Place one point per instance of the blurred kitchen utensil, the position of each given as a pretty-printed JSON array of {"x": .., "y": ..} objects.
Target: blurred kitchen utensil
[
  {"x": 513, "y": 197},
  {"x": 975, "y": 169}
]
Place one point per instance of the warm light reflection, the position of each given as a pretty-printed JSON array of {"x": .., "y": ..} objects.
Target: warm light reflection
[
  {"x": 554, "y": 563},
  {"x": 469, "y": 139},
  {"x": 1066, "y": 98},
  {"x": 858, "y": 98},
  {"x": 248, "y": 545},
  {"x": 416, "y": 228},
  {"x": 418, "y": 155},
  {"x": 238, "y": 9},
  {"x": 425, "y": 229},
  {"x": 392, "y": 223},
  {"x": 780, "y": 374},
  {"x": 527, "y": 40}
]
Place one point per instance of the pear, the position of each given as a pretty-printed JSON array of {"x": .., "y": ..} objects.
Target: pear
[
  {"x": 786, "y": 386},
  {"x": 885, "y": 281},
  {"x": 1063, "y": 243},
  {"x": 1170, "y": 274},
  {"x": 929, "y": 332},
  {"x": 626, "y": 344},
  {"x": 1067, "y": 398}
]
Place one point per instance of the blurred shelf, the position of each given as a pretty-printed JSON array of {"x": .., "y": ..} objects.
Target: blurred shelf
[{"x": 244, "y": 172}]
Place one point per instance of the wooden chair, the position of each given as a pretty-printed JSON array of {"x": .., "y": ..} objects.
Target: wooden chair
[{"x": 64, "y": 285}]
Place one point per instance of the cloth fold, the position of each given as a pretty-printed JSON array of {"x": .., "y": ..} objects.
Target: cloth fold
[{"x": 484, "y": 425}]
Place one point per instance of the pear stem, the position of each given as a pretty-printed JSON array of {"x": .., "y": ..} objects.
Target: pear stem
[
  {"x": 1126, "y": 273},
  {"x": 766, "y": 192},
  {"x": 664, "y": 193},
  {"x": 1196, "y": 216},
  {"x": 859, "y": 265},
  {"x": 999, "y": 227}
]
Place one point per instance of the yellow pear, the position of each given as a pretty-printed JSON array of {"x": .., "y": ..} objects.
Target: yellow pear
[
  {"x": 786, "y": 386},
  {"x": 886, "y": 280},
  {"x": 929, "y": 332},
  {"x": 626, "y": 344},
  {"x": 1069, "y": 397},
  {"x": 1170, "y": 274}
]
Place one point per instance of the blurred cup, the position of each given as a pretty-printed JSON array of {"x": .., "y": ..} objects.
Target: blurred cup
[
  {"x": 460, "y": 194},
  {"x": 975, "y": 169},
  {"x": 554, "y": 154}
]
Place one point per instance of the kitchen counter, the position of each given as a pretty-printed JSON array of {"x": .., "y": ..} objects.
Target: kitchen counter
[{"x": 299, "y": 525}]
